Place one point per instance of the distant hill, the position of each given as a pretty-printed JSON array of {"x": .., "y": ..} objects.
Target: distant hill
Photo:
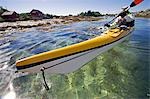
[{"x": 145, "y": 13}]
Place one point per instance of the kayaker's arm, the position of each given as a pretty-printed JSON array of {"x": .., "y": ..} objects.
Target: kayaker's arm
[{"x": 134, "y": 3}]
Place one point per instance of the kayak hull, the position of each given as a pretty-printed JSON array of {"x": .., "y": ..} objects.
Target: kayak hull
[{"x": 71, "y": 62}]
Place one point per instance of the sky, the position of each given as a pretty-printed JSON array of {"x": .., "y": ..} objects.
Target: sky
[{"x": 74, "y": 7}]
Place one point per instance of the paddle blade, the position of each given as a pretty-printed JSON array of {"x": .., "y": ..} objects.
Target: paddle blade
[{"x": 135, "y": 2}]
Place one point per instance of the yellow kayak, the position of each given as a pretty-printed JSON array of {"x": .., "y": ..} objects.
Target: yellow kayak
[{"x": 70, "y": 58}]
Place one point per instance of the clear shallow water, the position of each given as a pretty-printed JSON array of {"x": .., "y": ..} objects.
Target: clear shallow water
[{"x": 121, "y": 72}]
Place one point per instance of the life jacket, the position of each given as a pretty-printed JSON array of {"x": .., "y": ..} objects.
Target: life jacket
[{"x": 129, "y": 18}]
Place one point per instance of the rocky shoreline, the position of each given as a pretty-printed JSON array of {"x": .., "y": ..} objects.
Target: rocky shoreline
[
  {"x": 44, "y": 24},
  {"x": 143, "y": 14}
]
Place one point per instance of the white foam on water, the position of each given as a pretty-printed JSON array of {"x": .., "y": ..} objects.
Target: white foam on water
[
  {"x": 11, "y": 94},
  {"x": 5, "y": 66}
]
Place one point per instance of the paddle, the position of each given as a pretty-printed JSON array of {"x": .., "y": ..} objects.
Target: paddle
[{"x": 134, "y": 3}]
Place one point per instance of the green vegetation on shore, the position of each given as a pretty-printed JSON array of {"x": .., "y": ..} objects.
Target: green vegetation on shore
[
  {"x": 91, "y": 13},
  {"x": 24, "y": 16}
]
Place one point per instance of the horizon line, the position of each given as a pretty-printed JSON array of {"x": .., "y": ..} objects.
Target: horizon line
[{"x": 65, "y": 13}]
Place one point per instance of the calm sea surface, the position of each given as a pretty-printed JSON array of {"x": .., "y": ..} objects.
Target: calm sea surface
[{"x": 120, "y": 73}]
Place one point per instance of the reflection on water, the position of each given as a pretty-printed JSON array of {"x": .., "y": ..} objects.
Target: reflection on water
[{"x": 121, "y": 72}]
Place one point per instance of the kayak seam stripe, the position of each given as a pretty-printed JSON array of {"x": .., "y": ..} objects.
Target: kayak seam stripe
[
  {"x": 45, "y": 61},
  {"x": 67, "y": 60}
]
